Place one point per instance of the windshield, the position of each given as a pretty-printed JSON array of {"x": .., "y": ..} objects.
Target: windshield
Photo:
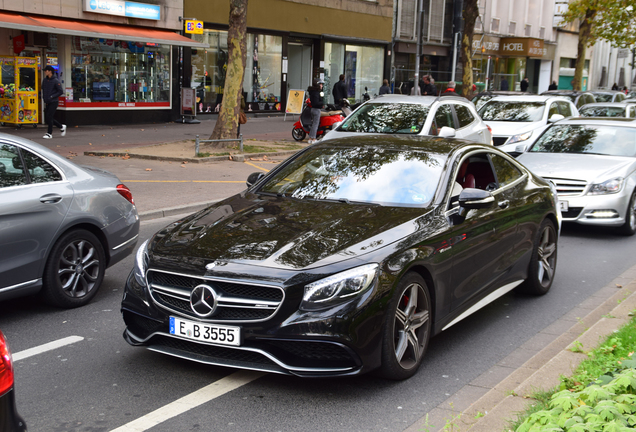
[
  {"x": 602, "y": 112},
  {"x": 601, "y": 140},
  {"x": 512, "y": 111},
  {"x": 393, "y": 118},
  {"x": 603, "y": 97},
  {"x": 404, "y": 177}
]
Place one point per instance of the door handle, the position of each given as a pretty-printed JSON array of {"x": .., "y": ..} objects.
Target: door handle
[
  {"x": 50, "y": 198},
  {"x": 504, "y": 204}
]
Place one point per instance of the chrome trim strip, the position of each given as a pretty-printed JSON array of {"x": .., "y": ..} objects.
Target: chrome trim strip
[
  {"x": 485, "y": 301},
  {"x": 255, "y": 350},
  {"x": 170, "y": 290},
  {"x": 20, "y": 285},
  {"x": 126, "y": 242}
]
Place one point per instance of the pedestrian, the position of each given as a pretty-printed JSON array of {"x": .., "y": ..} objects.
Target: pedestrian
[
  {"x": 316, "y": 99},
  {"x": 450, "y": 89},
  {"x": 524, "y": 84},
  {"x": 51, "y": 91},
  {"x": 429, "y": 89},
  {"x": 615, "y": 86},
  {"x": 242, "y": 116},
  {"x": 433, "y": 87},
  {"x": 385, "y": 89},
  {"x": 553, "y": 86},
  {"x": 625, "y": 90},
  {"x": 473, "y": 93},
  {"x": 339, "y": 91},
  {"x": 504, "y": 84}
]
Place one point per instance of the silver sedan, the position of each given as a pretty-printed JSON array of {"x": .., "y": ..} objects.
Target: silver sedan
[
  {"x": 61, "y": 225},
  {"x": 592, "y": 162}
]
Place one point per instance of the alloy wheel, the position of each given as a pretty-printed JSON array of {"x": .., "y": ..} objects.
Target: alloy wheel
[
  {"x": 547, "y": 256},
  {"x": 411, "y": 329},
  {"x": 79, "y": 268}
]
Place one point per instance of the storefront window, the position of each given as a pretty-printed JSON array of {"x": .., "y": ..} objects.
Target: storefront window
[
  {"x": 106, "y": 70},
  {"x": 361, "y": 65},
  {"x": 262, "y": 79}
]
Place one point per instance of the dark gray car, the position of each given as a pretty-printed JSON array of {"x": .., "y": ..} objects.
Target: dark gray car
[{"x": 61, "y": 225}]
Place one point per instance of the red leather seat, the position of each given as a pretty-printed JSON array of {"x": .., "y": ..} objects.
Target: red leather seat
[{"x": 464, "y": 179}]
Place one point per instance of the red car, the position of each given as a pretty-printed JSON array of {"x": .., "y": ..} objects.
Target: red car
[{"x": 10, "y": 420}]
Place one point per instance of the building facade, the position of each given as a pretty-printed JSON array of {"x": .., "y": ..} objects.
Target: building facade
[
  {"x": 116, "y": 59},
  {"x": 289, "y": 44}
]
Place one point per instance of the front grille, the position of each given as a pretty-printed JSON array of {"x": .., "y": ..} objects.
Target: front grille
[
  {"x": 498, "y": 141},
  {"x": 141, "y": 326},
  {"x": 321, "y": 351},
  {"x": 568, "y": 187},
  {"x": 236, "y": 302},
  {"x": 572, "y": 213}
]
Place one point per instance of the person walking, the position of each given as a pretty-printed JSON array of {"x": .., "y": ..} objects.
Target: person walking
[
  {"x": 429, "y": 88},
  {"x": 51, "y": 91},
  {"x": 504, "y": 84},
  {"x": 524, "y": 84},
  {"x": 450, "y": 89},
  {"x": 553, "y": 86},
  {"x": 316, "y": 99},
  {"x": 385, "y": 89},
  {"x": 339, "y": 91}
]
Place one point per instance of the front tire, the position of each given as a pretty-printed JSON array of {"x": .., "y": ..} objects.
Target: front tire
[
  {"x": 629, "y": 227},
  {"x": 75, "y": 270},
  {"x": 543, "y": 261},
  {"x": 407, "y": 329},
  {"x": 298, "y": 134}
]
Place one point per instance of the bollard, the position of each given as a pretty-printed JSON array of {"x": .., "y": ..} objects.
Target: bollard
[{"x": 196, "y": 147}]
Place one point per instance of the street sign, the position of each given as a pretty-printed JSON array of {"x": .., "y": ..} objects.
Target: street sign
[
  {"x": 622, "y": 53},
  {"x": 194, "y": 27}
]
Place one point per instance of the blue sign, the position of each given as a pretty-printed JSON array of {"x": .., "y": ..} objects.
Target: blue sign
[
  {"x": 142, "y": 10},
  {"x": 124, "y": 8}
]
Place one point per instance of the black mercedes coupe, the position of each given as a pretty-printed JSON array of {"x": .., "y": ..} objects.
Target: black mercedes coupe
[{"x": 346, "y": 258}]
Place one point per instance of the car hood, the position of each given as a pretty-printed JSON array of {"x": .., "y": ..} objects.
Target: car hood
[
  {"x": 577, "y": 166},
  {"x": 503, "y": 128},
  {"x": 282, "y": 232}
]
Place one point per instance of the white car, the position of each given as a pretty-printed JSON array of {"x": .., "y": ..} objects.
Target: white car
[
  {"x": 608, "y": 109},
  {"x": 446, "y": 116},
  {"x": 517, "y": 121}
]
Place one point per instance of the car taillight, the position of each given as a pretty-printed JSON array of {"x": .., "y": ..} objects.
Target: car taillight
[
  {"x": 489, "y": 128},
  {"x": 125, "y": 192},
  {"x": 6, "y": 367}
]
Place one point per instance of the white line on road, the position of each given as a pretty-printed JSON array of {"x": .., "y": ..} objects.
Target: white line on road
[
  {"x": 46, "y": 347},
  {"x": 193, "y": 400}
]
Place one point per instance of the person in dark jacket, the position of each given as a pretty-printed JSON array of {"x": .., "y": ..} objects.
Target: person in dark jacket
[
  {"x": 339, "y": 91},
  {"x": 553, "y": 86},
  {"x": 51, "y": 91},
  {"x": 385, "y": 89},
  {"x": 429, "y": 88},
  {"x": 316, "y": 99},
  {"x": 504, "y": 84},
  {"x": 524, "y": 84},
  {"x": 450, "y": 90}
]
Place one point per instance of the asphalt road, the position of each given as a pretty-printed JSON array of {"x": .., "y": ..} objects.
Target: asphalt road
[{"x": 97, "y": 382}]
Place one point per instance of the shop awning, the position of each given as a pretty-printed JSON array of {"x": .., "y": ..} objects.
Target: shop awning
[{"x": 94, "y": 29}]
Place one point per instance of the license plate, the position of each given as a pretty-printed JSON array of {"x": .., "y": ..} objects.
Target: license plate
[
  {"x": 219, "y": 334},
  {"x": 564, "y": 205}
]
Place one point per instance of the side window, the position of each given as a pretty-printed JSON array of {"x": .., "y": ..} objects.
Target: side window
[
  {"x": 476, "y": 172},
  {"x": 444, "y": 117},
  {"x": 40, "y": 170},
  {"x": 632, "y": 111},
  {"x": 464, "y": 115},
  {"x": 506, "y": 171},
  {"x": 565, "y": 108},
  {"x": 619, "y": 97},
  {"x": 11, "y": 172},
  {"x": 554, "y": 109}
]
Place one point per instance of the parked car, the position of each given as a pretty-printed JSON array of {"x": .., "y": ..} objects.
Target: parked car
[
  {"x": 592, "y": 162},
  {"x": 482, "y": 97},
  {"x": 10, "y": 420},
  {"x": 608, "y": 96},
  {"x": 608, "y": 109},
  {"x": 61, "y": 225},
  {"x": 339, "y": 261},
  {"x": 519, "y": 120},
  {"x": 579, "y": 98},
  {"x": 452, "y": 116}
]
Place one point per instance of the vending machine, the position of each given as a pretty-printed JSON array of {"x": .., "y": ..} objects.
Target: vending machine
[{"x": 19, "y": 89}]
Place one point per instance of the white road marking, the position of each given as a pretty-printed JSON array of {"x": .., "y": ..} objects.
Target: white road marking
[
  {"x": 46, "y": 347},
  {"x": 193, "y": 400}
]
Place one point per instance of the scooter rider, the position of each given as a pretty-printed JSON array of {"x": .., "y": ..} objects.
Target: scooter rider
[{"x": 316, "y": 100}]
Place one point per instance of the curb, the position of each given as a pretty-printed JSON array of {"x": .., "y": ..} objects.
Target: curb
[
  {"x": 234, "y": 157},
  {"x": 498, "y": 395}
]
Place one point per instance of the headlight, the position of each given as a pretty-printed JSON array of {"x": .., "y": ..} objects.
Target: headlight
[
  {"x": 141, "y": 263},
  {"x": 607, "y": 187},
  {"x": 520, "y": 137},
  {"x": 338, "y": 288}
]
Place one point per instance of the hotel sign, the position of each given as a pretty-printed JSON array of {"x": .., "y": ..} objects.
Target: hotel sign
[
  {"x": 123, "y": 8},
  {"x": 509, "y": 47}
]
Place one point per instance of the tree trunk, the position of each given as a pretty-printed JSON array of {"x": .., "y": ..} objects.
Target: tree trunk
[
  {"x": 227, "y": 122},
  {"x": 585, "y": 29},
  {"x": 469, "y": 15}
]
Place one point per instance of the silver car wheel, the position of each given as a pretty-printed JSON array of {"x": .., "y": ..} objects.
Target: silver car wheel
[
  {"x": 411, "y": 333},
  {"x": 546, "y": 256},
  {"x": 79, "y": 268}
]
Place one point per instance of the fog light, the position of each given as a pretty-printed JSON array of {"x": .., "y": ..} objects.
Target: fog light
[{"x": 603, "y": 214}]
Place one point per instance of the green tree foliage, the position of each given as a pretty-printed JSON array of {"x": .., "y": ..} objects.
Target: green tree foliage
[
  {"x": 610, "y": 20},
  {"x": 227, "y": 122}
]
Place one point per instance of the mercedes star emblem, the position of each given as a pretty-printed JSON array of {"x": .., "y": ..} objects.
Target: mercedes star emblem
[{"x": 203, "y": 300}]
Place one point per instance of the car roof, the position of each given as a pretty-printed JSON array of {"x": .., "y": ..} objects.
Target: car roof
[
  {"x": 565, "y": 92},
  {"x": 420, "y": 100},
  {"x": 527, "y": 98},
  {"x": 607, "y": 104},
  {"x": 431, "y": 144},
  {"x": 600, "y": 121},
  {"x": 606, "y": 92}
]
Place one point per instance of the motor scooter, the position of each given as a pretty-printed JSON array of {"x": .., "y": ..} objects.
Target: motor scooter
[{"x": 327, "y": 121}]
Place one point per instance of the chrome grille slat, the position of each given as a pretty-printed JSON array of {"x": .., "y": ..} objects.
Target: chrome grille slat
[
  {"x": 236, "y": 302},
  {"x": 568, "y": 187}
]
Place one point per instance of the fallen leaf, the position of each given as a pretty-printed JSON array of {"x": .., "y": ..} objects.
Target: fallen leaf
[
  {"x": 88, "y": 144},
  {"x": 183, "y": 166},
  {"x": 184, "y": 162},
  {"x": 76, "y": 126},
  {"x": 125, "y": 157},
  {"x": 265, "y": 158},
  {"x": 91, "y": 154},
  {"x": 619, "y": 286},
  {"x": 141, "y": 129},
  {"x": 59, "y": 146},
  {"x": 230, "y": 157},
  {"x": 69, "y": 157},
  {"x": 148, "y": 169},
  {"x": 102, "y": 157},
  {"x": 111, "y": 155}
]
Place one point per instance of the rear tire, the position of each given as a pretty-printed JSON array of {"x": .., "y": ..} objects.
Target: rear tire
[
  {"x": 407, "y": 329},
  {"x": 75, "y": 270},
  {"x": 629, "y": 227},
  {"x": 543, "y": 261},
  {"x": 299, "y": 134}
]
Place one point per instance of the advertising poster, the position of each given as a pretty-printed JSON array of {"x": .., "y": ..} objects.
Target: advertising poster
[{"x": 295, "y": 101}]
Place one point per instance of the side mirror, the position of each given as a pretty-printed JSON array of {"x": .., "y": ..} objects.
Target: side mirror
[
  {"x": 555, "y": 118},
  {"x": 520, "y": 148},
  {"x": 471, "y": 198},
  {"x": 446, "y": 132},
  {"x": 254, "y": 178}
]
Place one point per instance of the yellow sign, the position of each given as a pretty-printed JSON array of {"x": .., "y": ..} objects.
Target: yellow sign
[
  {"x": 195, "y": 27},
  {"x": 295, "y": 101}
]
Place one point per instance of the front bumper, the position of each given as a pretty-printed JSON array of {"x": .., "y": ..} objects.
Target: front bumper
[{"x": 602, "y": 210}]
